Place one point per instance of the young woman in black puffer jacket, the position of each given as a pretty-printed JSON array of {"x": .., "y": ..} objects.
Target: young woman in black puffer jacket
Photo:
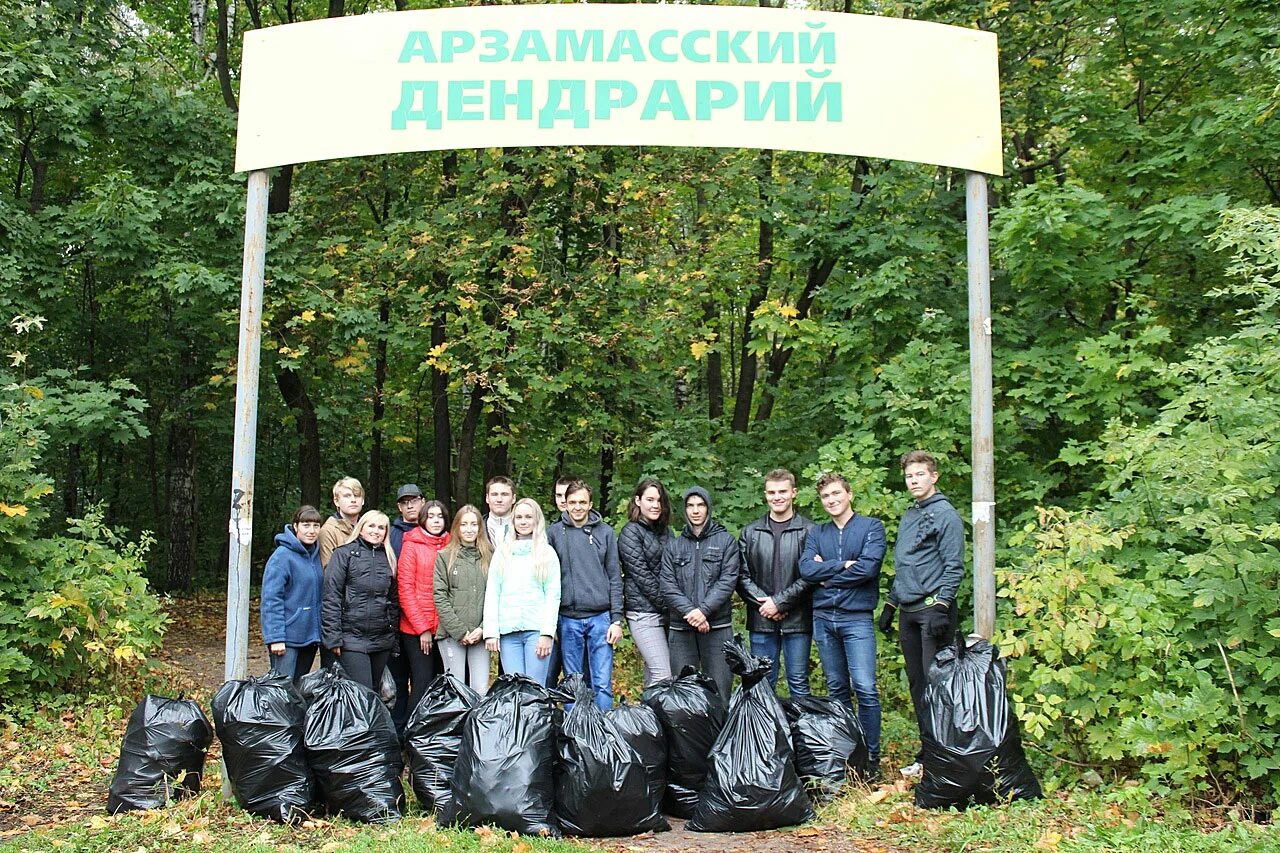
[
  {"x": 360, "y": 612},
  {"x": 640, "y": 547}
]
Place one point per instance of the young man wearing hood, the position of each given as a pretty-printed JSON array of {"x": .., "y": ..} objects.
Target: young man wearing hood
[
  {"x": 590, "y": 591},
  {"x": 928, "y": 565},
  {"x": 700, "y": 570}
]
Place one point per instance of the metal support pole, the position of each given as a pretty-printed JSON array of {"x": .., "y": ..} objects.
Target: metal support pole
[
  {"x": 246, "y": 430},
  {"x": 246, "y": 435},
  {"x": 980, "y": 406}
]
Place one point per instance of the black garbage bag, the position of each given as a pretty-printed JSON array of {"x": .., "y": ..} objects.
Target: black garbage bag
[
  {"x": 752, "y": 783},
  {"x": 692, "y": 713},
  {"x": 260, "y": 723},
  {"x": 161, "y": 756},
  {"x": 971, "y": 748},
  {"x": 828, "y": 741},
  {"x": 505, "y": 774},
  {"x": 353, "y": 748},
  {"x": 640, "y": 728},
  {"x": 602, "y": 785},
  {"x": 432, "y": 737}
]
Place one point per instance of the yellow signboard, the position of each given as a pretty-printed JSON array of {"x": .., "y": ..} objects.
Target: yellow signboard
[{"x": 606, "y": 74}]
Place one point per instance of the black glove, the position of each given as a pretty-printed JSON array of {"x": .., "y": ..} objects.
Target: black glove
[
  {"x": 938, "y": 621},
  {"x": 885, "y": 622}
]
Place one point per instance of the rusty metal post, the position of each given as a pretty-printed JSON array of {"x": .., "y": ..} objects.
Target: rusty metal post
[{"x": 980, "y": 405}]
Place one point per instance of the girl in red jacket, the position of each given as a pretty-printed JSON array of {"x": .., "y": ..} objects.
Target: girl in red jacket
[{"x": 415, "y": 578}]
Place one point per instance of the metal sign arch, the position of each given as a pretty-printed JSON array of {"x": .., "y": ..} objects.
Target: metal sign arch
[{"x": 605, "y": 74}]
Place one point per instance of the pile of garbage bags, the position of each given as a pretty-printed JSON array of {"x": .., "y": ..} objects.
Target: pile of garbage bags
[
  {"x": 432, "y": 738},
  {"x": 603, "y": 786},
  {"x": 352, "y": 747},
  {"x": 539, "y": 761},
  {"x": 691, "y": 712},
  {"x": 505, "y": 773},
  {"x": 970, "y": 746}
]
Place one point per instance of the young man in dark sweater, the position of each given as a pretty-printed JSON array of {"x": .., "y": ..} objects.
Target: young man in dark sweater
[{"x": 928, "y": 565}]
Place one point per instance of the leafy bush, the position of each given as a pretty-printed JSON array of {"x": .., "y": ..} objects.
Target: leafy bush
[
  {"x": 74, "y": 605},
  {"x": 1146, "y": 626}
]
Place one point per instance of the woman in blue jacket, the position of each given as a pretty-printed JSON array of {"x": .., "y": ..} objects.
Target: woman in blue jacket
[{"x": 291, "y": 586}]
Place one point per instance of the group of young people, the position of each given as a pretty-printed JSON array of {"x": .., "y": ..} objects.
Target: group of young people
[{"x": 549, "y": 598}]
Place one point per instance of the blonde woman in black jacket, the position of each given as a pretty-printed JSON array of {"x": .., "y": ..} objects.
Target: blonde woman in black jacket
[{"x": 360, "y": 613}]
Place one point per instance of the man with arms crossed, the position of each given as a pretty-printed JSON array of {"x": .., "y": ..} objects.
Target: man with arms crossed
[
  {"x": 590, "y": 591},
  {"x": 928, "y": 564},
  {"x": 843, "y": 557},
  {"x": 778, "y": 599}
]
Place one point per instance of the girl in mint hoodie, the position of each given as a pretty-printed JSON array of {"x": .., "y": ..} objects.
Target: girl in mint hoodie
[
  {"x": 522, "y": 595},
  {"x": 291, "y": 587}
]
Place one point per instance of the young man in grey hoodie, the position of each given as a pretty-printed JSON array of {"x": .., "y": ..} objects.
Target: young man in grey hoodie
[
  {"x": 928, "y": 565},
  {"x": 590, "y": 590}
]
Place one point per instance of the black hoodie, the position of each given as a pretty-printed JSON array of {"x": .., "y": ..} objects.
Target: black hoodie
[{"x": 700, "y": 572}]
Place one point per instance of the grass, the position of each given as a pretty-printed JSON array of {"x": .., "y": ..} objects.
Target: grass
[
  {"x": 56, "y": 762},
  {"x": 206, "y": 825},
  {"x": 1078, "y": 821}
]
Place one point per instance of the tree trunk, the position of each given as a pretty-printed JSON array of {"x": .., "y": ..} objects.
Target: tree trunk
[
  {"x": 376, "y": 486},
  {"x": 71, "y": 488},
  {"x": 296, "y": 397},
  {"x": 467, "y": 445},
  {"x": 199, "y": 12},
  {"x": 281, "y": 187},
  {"x": 817, "y": 277},
  {"x": 441, "y": 425},
  {"x": 497, "y": 457},
  {"x": 747, "y": 362},
  {"x": 443, "y": 478},
  {"x": 607, "y": 456},
  {"x": 710, "y": 315},
  {"x": 180, "y": 485},
  {"x": 221, "y": 63}
]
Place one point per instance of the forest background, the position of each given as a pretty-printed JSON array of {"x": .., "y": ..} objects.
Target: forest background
[{"x": 697, "y": 315}]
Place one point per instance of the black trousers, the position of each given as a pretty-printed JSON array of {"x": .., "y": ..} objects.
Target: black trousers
[
  {"x": 365, "y": 667},
  {"x": 422, "y": 670},
  {"x": 918, "y": 649}
]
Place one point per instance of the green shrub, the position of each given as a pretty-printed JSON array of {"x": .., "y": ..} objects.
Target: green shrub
[
  {"x": 1146, "y": 628},
  {"x": 74, "y": 605}
]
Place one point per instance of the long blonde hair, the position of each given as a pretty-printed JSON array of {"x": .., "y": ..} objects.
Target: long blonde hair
[
  {"x": 450, "y": 552},
  {"x": 375, "y": 515},
  {"x": 542, "y": 553}
]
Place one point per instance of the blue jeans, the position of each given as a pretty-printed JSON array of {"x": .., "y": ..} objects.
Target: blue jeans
[
  {"x": 519, "y": 651},
  {"x": 847, "y": 646},
  {"x": 295, "y": 662},
  {"x": 795, "y": 648},
  {"x": 589, "y": 634}
]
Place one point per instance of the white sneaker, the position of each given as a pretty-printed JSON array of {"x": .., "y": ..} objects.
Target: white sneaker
[{"x": 912, "y": 771}]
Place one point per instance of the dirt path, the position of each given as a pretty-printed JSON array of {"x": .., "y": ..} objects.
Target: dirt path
[{"x": 194, "y": 651}]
